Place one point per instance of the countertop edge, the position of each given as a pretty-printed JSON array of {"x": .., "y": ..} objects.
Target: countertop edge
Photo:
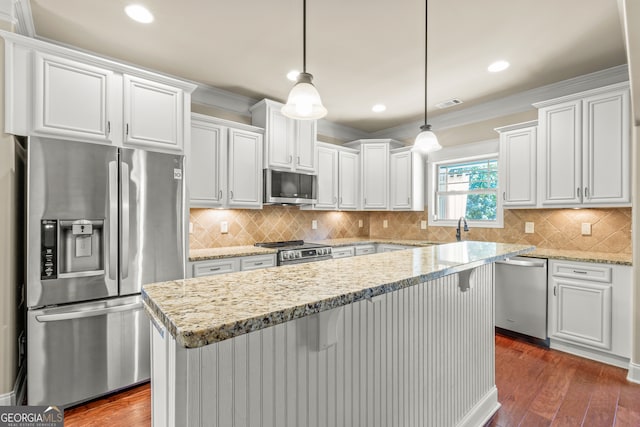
[{"x": 200, "y": 338}]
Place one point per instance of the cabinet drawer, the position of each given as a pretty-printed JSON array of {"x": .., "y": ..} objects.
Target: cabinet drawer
[
  {"x": 343, "y": 252},
  {"x": 210, "y": 268},
  {"x": 257, "y": 262},
  {"x": 597, "y": 273},
  {"x": 365, "y": 250}
]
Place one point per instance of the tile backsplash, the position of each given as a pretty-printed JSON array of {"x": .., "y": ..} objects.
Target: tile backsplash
[
  {"x": 554, "y": 228},
  {"x": 272, "y": 223}
]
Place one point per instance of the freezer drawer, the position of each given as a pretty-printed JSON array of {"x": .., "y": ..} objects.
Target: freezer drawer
[{"x": 81, "y": 351}]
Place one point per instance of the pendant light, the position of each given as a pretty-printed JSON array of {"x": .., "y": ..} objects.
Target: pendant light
[
  {"x": 426, "y": 141},
  {"x": 304, "y": 100}
]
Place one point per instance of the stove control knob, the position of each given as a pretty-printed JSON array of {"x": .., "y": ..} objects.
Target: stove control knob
[
  {"x": 285, "y": 255},
  {"x": 297, "y": 254}
]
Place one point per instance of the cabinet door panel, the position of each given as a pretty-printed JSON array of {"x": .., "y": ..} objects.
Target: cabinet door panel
[
  {"x": 207, "y": 161},
  {"x": 280, "y": 131},
  {"x": 606, "y": 148},
  {"x": 306, "y": 145},
  {"x": 582, "y": 313},
  {"x": 562, "y": 145},
  {"x": 375, "y": 176},
  {"x": 153, "y": 114},
  {"x": 348, "y": 177},
  {"x": 245, "y": 172},
  {"x": 327, "y": 178},
  {"x": 401, "y": 182},
  {"x": 518, "y": 156},
  {"x": 71, "y": 98}
]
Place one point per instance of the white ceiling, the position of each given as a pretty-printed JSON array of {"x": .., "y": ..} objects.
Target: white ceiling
[{"x": 360, "y": 52}]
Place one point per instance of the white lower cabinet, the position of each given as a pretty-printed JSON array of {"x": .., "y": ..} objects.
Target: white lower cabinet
[
  {"x": 365, "y": 249},
  {"x": 232, "y": 265},
  {"x": 343, "y": 252},
  {"x": 590, "y": 310},
  {"x": 386, "y": 247}
]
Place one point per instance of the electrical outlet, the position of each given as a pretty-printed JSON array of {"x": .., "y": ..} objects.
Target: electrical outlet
[
  {"x": 190, "y": 228},
  {"x": 385, "y": 224},
  {"x": 586, "y": 229},
  {"x": 423, "y": 225},
  {"x": 314, "y": 224},
  {"x": 529, "y": 227},
  {"x": 224, "y": 227},
  {"x": 360, "y": 223}
]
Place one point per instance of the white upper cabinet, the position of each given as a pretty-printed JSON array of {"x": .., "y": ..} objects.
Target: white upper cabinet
[
  {"x": 327, "y": 178},
  {"x": 518, "y": 175},
  {"x": 225, "y": 164},
  {"x": 245, "y": 171},
  {"x": 207, "y": 172},
  {"x": 406, "y": 181},
  {"x": 348, "y": 179},
  {"x": 374, "y": 172},
  {"x": 337, "y": 177},
  {"x": 153, "y": 114},
  {"x": 290, "y": 145},
  {"x": 62, "y": 93},
  {"x": 584, "y": 148},
  {"x": 72, "y": 98}
]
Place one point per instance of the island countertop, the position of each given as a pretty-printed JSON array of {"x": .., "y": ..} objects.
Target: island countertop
[{"x": 202, "y": 311}]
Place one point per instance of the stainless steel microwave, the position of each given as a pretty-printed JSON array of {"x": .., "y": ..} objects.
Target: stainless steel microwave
[{"x": 289, "y": 188}]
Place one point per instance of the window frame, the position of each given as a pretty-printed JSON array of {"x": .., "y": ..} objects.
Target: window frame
[{"x": 434, "y": 167}]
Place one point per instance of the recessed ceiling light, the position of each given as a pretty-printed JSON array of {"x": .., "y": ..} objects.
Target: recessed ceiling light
[
  {"x": 498, "y": 66},
  {"x": 139, "y": 13},
  {"x": 378, "y": 108},
  {"x": 293, "y": 75}
]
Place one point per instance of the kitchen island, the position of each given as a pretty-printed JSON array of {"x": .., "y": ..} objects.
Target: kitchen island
[{"x": 400, "y": 338}]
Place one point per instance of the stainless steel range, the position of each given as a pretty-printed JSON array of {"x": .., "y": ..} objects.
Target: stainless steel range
[{"x": 297, "y": 251}]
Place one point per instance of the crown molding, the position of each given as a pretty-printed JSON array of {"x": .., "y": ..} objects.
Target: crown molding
[
  {"x": 511, "y": 104},
  {"x": 23, "y": 18},
  {"x": 7, "y": 12},
  {"x": 210, "y": 96}
]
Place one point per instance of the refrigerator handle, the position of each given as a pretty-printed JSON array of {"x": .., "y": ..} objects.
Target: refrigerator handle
[
  {"x": 87, "y": 313},
  {"x": 113, "y": 219},
  {"x": 124, "y": 266}
]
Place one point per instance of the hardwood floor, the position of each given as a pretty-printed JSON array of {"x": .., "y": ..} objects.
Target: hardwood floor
[{"x": 536, "y": 387}]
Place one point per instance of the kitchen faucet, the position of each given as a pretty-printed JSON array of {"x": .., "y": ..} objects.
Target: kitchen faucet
[{"x": 466, "y": 228}]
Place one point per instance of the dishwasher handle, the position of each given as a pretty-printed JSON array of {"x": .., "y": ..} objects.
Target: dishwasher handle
[{"x": 522, "y": 263}]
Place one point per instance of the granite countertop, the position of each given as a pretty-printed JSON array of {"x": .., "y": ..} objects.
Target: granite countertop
[
  {"x": 228, "y": 251},
  {"x": 206, "y": 310},
  {"x": 584, "y": 256}
]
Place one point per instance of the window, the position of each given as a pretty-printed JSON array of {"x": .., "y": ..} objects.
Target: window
[{"x": 467, "y": 189}]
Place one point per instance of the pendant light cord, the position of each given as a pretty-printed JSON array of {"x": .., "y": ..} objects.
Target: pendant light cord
[
  {"x": 304, "y": 36},
  {"x": 426, "y": 26}
]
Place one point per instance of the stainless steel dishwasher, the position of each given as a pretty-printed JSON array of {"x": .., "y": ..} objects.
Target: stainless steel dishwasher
[{"x": 521, "y": 296}]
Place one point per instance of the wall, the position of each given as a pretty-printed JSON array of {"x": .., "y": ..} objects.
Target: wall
[
  {"x": 273, "y": 223},
  {"x": 554, "y": 228}
]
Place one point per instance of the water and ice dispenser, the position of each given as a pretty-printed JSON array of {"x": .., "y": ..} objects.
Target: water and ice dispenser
[{"x": 71, "y": 248}]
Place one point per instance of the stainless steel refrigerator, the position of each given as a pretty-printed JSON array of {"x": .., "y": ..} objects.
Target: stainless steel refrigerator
[{"x": 101, "y": 222}]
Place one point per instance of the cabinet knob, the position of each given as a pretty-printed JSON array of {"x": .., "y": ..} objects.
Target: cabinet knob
[
  {"x": 408, "y": 200},
  {"x": 220, "y": 195},
  {"x": 578, "y": 192},
  {"x": 290, "y": 158},
  {"x": 231, "y": 194},
  {"x": 108, "y": 127},
  {"x": 504, "y": 195},
  {"x": 586, "y": 192},
  {"x": 298, "y": 160}
]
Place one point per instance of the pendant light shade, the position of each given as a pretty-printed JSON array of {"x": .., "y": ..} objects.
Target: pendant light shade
[
  {"x": 426, "y": 141},
  {"x": 304, "y": 101}
]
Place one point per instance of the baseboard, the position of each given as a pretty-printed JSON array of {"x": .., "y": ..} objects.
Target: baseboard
[
  {"x": 482, "y": 412},
  {"x": 16, "y": 396},
  {"x": 634, "y": 373},
  {"x": 598, "y": 356}
]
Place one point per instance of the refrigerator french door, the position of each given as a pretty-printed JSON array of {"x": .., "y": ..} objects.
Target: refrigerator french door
[{"x": 102, "y": 221}]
